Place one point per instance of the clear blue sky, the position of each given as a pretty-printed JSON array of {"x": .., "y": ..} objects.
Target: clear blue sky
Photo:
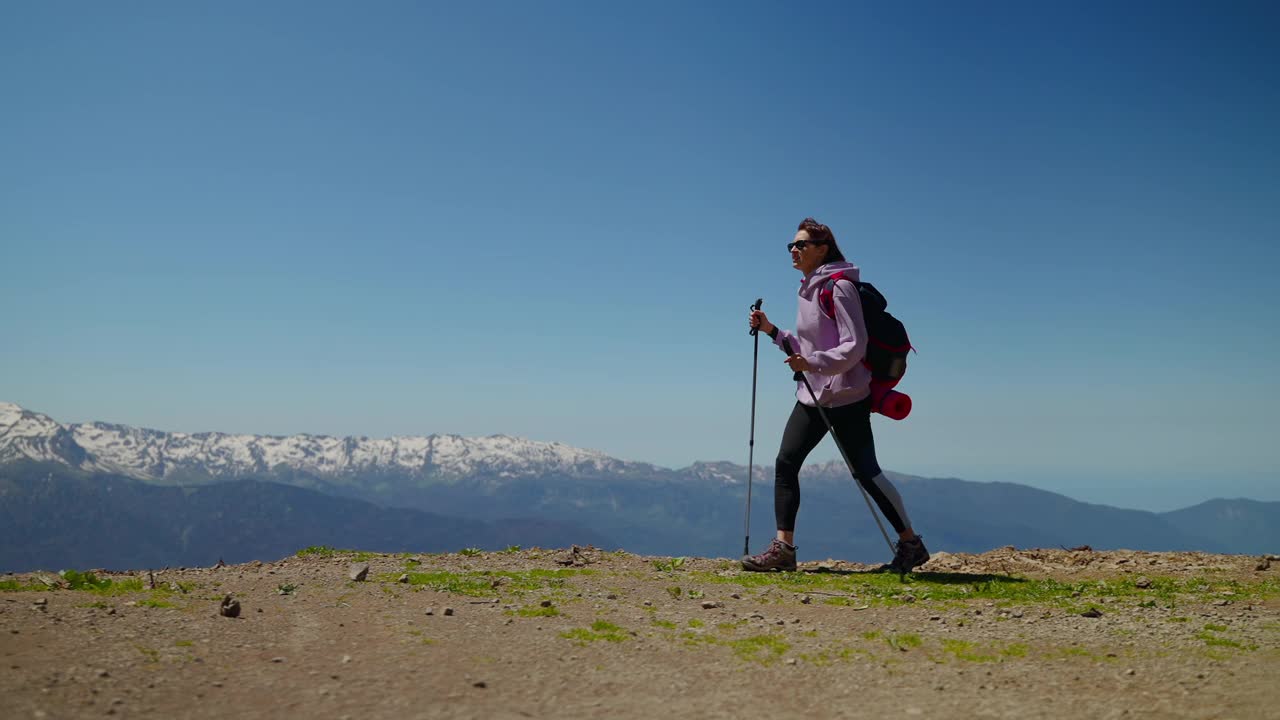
[{"x": 548, "y": 220}]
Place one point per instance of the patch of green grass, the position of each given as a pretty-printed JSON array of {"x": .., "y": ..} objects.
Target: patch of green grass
[
  {"x": 1014, "y": 650},
  {"x": 470, "y": 551},
  {"x": 665, "y": 624},
  {"x": 481, "y": 584},
  {"x": 669, "y": 565},
  {"x": 889, "y": 589},
  {"x": 675, "y": 591},
  {"x": 322, "y": 551},
  {"x": 871, "y": 635},
  {"x": 183, "y": 643},
  {"x": 151, "y": 654},
  {"x": 764, "y": 649},
  {"x": 696, "y": 623},
  {"x": 155, "y": 603},
  {"x": 510, "y": 550},
  {"x": 1179, "y": 619},
  {"x": 1072, "y": 651},
  {"x": 1211, "y": 627},
  {"x": 1221, "y": 642},
  {"x": 964, "y": 650},
  {"x": 905, "y": 640},
  {"x": 600, "y": 630},
  {"x": 15, "y": 586}
]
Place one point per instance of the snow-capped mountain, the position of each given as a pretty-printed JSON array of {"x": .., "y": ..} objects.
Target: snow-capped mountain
[{"x": 153, "y": 455}]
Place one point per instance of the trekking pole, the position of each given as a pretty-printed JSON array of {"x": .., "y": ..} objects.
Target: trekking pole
[
  {"x": 786, "y": 345},
  {"x": 751, "y": 444}
]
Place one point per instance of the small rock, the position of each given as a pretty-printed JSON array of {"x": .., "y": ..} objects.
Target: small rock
[
  {"x": 1142, "y": 582},
  {"x": 935, "y": 617},
  {"x": 908, "y": 598},
  {"x": 1130, "y": 671},
  {"x": 1091, "y": 613},
  {"x": 791, "y": 661},
  {"x": 736, "y": 596},
  {"x": 648, "y": 603},
  {"x": 611, "y": 596},
  {"x": 346, "y": 659},
  {"x": 277, "y": 659},
  {"x": 710, "y": 604},
  {"x": 41, "y": 602},
  {"x": 358, "y": 572},
  {"x": 805, "y": 599},
  {"x": 103, "y": 673},
  {"x": 431, "y": 611},
  {"x": 545, "y": 603},
  {"x": 230, "y": 607},
  {"x": 1222, "y": 603},
  {"x": 480, "y": 684},
  {"x": 404, "y": 578},
  {"x": 448, "y": 611}
]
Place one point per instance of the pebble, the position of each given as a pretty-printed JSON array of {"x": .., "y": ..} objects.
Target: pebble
[
  {"x": 358, "y": 572},
  {"x": 448, "y": 611},
  {"x": 1142, "y": 582},
  {"x": 710, "y": 604},
  {"x": 277, "y": 659}
]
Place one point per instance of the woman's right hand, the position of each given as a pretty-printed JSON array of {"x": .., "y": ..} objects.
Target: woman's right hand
[{"x": 759, "y": 321}]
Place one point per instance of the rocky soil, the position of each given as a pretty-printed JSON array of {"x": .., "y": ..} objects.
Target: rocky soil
[{"x": 586, "y": 633}]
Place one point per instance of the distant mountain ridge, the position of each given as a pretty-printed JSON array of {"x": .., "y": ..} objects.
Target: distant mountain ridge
[
  {"x": 503, "y": 482},
  {"x": 153, "y": 455}
]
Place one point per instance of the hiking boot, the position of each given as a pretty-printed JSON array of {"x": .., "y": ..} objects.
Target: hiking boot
[
  {"x": 909, "y": 555},
  {"x": 778, "y": 556}
]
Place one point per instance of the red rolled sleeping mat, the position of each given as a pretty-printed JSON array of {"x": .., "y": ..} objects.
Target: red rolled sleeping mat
[{"x": 889, "y": 402}]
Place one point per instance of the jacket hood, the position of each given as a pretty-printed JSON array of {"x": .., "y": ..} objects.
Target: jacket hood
[{"x": 810, "y": 284}]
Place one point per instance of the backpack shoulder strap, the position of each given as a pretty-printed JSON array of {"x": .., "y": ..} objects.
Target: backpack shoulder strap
[{"x": 826, "y": 294}]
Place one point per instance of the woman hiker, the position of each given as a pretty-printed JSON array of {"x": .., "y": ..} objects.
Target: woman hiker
[{"x": 829, "y": 350}]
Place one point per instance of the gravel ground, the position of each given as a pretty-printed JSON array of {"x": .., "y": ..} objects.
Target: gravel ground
[{"x": 584, "y": 633}]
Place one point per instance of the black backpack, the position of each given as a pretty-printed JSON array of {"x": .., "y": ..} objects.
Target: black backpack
[{"x": 888, "y": 343}]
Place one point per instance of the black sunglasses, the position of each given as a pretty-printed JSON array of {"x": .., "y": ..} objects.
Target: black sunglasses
[{"x": 801, "y": 244}]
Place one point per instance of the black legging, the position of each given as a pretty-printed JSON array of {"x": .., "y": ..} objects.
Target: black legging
[{"x": 804, "y": 431}]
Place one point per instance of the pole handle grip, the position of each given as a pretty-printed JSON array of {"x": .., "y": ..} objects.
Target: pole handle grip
[{"x": 759, "y": 301}]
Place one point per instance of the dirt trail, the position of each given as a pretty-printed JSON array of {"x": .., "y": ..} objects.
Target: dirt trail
[{"x": 584, "y": 633}]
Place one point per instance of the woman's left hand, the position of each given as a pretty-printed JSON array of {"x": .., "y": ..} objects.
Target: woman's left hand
[{"x": 799, "y": 364}]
